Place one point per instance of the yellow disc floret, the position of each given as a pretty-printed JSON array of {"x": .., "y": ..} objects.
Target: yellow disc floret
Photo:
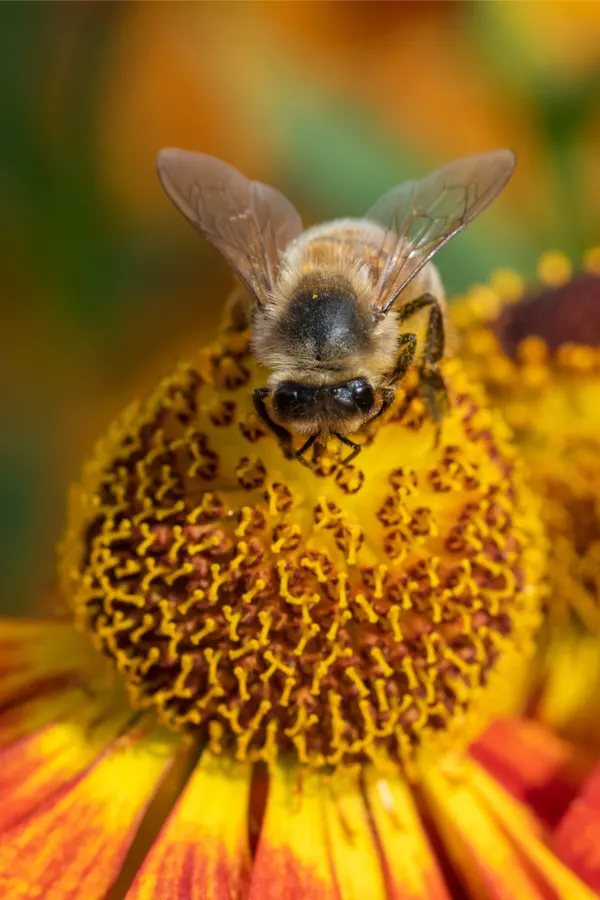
[{"x": 326, "y": 611}]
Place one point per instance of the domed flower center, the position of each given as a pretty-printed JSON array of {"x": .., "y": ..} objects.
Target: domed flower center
[
  {"x": 567, "y": 314},
  {"x": 327, "y": 611},
  {"x": 537, "y": 352}
]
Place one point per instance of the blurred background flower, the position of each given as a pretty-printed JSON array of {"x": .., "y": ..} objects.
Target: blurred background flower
[
  {"x": 102, "y": 283},
  {"x": 538, "y": 354}
]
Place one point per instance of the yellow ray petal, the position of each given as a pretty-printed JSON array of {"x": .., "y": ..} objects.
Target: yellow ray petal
[
  {"x": 538, "y": 857},
  {"x": 492, "y": 839},
  {"x": 412, "y": 871},
  {"x": 72, "y": 847},
  {"x": 202, "y": 852},
  {"x": 33, "y": 714},
  {"x": 292, "y": 860},
  {"x": 354, "y": 854},
  {"x": 33, "y": 768},
  {"x": 568, "y": 703}
]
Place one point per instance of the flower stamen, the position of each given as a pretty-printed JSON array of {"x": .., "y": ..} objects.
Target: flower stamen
[{"x": 329, "y": 612}]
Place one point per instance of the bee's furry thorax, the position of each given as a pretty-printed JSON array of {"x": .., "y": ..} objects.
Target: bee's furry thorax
[{"x": 320, "y": 320}]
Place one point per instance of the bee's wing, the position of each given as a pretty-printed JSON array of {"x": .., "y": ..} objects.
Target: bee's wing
[
  {"x": 421, "y": 216},
  {"x": 250, "y": 223}
]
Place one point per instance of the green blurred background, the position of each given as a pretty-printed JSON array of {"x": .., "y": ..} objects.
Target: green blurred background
[{"x": 103, "y": 285}]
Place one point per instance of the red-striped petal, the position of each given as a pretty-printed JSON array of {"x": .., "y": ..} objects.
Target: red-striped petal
[
  {"x": 72, "y": 847},
  {"x": 534, "y": 764},
  {"x": 493, "y": 840},
  {"x": 202, "y": 851},
  {"x": 21, "y": 719},
  {"x": 292, "y": 860},
  {"x": 34, "y": 767},
  {"x": 577, "y": 839}
]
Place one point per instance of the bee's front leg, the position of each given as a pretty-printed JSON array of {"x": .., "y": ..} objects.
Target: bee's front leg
[
  {"x": 259, "y": 396},
  {"x": 306, "y": 445},
  {"x": 356, "y": 448}
]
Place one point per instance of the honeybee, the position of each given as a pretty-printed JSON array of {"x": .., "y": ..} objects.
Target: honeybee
[{"x": 330, "y": 303}]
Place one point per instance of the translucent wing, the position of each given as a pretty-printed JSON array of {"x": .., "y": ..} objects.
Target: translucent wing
[
  {"x": 421, "y": 216},
  {"x": 250, "y": 223}
]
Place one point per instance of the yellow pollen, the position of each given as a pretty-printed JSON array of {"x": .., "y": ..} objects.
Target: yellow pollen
[
  {"x": 242, "y": 677},
  {"x": 364, "y": 604},
  {"x": 343, "y": 618},
  {"x": 287, "y": 690},
  {"x": 326, "y": 611}
]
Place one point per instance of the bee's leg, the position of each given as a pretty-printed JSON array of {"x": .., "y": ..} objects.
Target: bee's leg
[
  {"x": 356, "y": 448},
  {"x": 431, "y": 383},
  {"x": 407, "y": 345},
  {"x": 432, "y": 386},
  {"x": 414, "y": 306},
  {"x": 258, "y": 396},
  {"x": 306, "y": 445}
]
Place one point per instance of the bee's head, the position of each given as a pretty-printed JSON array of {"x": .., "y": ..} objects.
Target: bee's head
[{"x": 301, "y": 405}]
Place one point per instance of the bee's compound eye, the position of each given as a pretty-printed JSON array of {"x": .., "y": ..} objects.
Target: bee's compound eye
[
  {"x": 292, "y": 400},
  {"x": 363, "y": 394},
  {"x": 287, "y": 393}
]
